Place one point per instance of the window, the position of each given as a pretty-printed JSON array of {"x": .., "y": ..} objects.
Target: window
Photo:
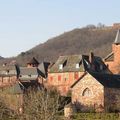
[
  {"x": 76, "y": 75},
  {"x": 60, "y": 66},
  {"x": 87, "y": 92},
  {"x": 59, "y": 77},
  {"x": 51, "y": 78},
  {"x": 77, "y": 66}
]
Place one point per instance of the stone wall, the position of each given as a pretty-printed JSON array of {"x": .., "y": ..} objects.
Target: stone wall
[
  {"x": 112, "y": 98},
  {"x": 94, "y": 97},
  {"x": 5, "y": 81}
]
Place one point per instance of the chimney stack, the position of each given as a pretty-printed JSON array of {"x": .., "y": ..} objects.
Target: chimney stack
[{"x": 91, "y": 56}]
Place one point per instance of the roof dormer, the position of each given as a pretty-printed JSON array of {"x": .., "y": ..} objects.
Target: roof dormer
[{"x": 62, "y": 64}]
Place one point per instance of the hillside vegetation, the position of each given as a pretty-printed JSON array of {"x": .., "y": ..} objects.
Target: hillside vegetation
[{"x": 77, "y": 41}]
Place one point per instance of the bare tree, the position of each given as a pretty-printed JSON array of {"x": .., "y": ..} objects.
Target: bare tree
[{"x": 41, "y": 105}]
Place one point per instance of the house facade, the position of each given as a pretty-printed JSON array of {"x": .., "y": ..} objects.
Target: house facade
[
  {"x": 8, "y": 75},
  {"x": 65, "y": 72},
  {"x": 68, "y": 69},
  {"x": 96, "y": 91}
]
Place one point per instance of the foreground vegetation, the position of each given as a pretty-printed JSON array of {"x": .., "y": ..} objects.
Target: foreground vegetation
[
  {"x": 96, "y": 116},
  {"x": 46, "y": 105}
]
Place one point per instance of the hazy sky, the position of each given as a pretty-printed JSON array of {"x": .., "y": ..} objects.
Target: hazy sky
[{"x": 26, "y": 23}]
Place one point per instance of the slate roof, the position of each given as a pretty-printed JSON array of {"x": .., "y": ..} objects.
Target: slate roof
[
  {"x": 28, "y": 73},
  {"x": 33, "y": 61},
  {"x": 8, "y": 70},
  {"x": 97, "y": 62},
  {"x": 43, "y": 69},
  {"x": 107, "y": 80},
  {"x": 69, "y": 64},
  {"x": 117, "y": 39}
]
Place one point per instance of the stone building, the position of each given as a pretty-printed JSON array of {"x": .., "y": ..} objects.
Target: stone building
[
  {"x": 113, "y": 59},
  {"x": 97, "y": 91},
  {"x": 69, "y": 69},
  {"x": 8, "y": 75}
]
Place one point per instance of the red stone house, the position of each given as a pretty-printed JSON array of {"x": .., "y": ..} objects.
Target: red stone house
[
  {"x": 65, "y": 72},
  {"x": 96, "y": 90},
  {"x": 69, "y": 69},
  {"x": 113, "y": 59},
  {"x": 8, "y": 75}
]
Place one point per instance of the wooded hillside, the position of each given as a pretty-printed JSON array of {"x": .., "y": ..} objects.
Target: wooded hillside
[{"x": 77, "y": 41}]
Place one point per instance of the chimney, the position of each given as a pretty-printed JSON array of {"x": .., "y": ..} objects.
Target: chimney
[{"x": 91, "y": 56}]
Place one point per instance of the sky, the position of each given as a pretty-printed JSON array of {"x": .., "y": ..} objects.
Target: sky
[{"x": 27, "y": 23}]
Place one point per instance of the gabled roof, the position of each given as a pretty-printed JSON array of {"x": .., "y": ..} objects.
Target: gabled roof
[
  {"x": 43, "y": 69},
  {"x": 117, "y": 39},
  {"x": 28, "y": 73},
  {"x": 109, "y": 57},
  {"x": 69, "y": 64},
  {"x": 8, "y": 70},
  {"x": 107, "y": 80},
  {"x": 33, "y": 61}
]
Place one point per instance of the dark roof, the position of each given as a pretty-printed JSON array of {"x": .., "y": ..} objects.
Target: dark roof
[
  {"x": 97, "y": 62},
  {"x": 117, "y": 39},
  {"x": 8, "y": 70},
  {"x": 109, "y": 57},
  {"x": 33, "y": 61},
  {"x": 107, "y": 80},
  {"x": 43, "y": 69},
  {"x": 69, "y": 64},
  {"x": 28, "y": 73}
]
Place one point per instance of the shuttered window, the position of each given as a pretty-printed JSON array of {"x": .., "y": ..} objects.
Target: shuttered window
[{"x": 59, "y": 77}]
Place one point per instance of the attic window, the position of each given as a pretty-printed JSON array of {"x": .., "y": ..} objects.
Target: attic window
[
  {"x": 87, "y": 92},
  {"x": 77, "y": 65},
  {"x": 60, "y": 66},
  {"x": 7, "y": 72}
]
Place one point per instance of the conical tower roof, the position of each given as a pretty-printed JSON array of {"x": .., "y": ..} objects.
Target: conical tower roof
[{"x": 117, "y": 39}]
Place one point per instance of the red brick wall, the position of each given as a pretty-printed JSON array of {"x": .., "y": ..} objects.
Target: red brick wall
[
  {"x": 63, "y": 81},
  {"x": 5, "y": 81},
  {"x": 114, "y": 65}
]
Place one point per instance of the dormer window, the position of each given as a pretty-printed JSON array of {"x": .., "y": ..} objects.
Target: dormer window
[
  {"x": 60, "y": 66},
  {"x": 77, "y": 66},
  {"x": 63, "y": 64},
  {"x": 7, "y": 72}
]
